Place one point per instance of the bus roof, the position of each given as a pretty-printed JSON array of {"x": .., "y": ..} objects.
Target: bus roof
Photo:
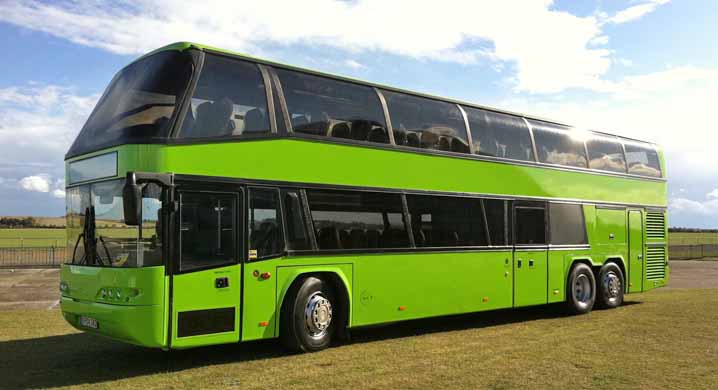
[{"x": 181, "y": 46}]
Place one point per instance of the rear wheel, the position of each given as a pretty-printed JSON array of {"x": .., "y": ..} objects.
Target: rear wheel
[
  {"x": 610, "y": 286},
  {"x": 581, "y": 289},
  {"x": 308, "y": 316}
]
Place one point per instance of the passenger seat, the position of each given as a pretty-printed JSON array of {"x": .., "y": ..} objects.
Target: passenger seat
[{"x": 254, "y": 121}]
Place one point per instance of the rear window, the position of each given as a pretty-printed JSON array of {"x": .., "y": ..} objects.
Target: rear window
[
  {"x": 642, "y": 160},
  {"x": 426, "y": 123}
]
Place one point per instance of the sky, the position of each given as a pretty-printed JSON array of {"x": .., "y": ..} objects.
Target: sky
[{"x": 645, "y": 69}]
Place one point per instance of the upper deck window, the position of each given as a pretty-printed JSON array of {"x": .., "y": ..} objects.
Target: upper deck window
[
  {"x": 499, "y": 135},
  {"x": 426, "y": 123},
  {"x": 229, "y": 100},
  {"x": 557, "y": 145},
  {"x": 138, "y": 104},
  {"x": 642, "y": 159},
  {"x": 606, "y": 154},
  {"x": 322, "y": 106}
]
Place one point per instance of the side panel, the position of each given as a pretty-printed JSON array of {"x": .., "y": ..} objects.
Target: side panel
[
  {"x": 338, "y": 164},
  {"x": 204, "y": 314},
  {"x": 556, "y": 276},
  {"x": 406, "y": 286},
  {"x": 635, "y": 241},
  {"x": 530, "y": 277}
]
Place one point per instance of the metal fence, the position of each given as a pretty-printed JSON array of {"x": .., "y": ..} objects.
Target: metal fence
[
  {"x": 32, "y": 257},
  {"x": 687, "y": 252}
]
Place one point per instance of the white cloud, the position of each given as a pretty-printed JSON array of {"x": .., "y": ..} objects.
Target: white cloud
[
  {"x": 40, "y": 122},
  {"x": 59, "y": 193},
  {"x": 636, "y": 12},
  {"x": 37, "y": 183},
  {"x": 575, "y": 57},
  {"x": 354, "y": 64},
  {"x": 713, "y": 194},
  {"x": 688, "y": 207}
]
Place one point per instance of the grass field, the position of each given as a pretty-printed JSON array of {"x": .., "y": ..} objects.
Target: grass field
[
  {"x": 662, "y": 339},
  {"x": 35, "y": 238}
]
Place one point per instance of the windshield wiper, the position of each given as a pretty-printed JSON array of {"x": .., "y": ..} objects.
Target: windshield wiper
[{"x": 90, "y": 257}]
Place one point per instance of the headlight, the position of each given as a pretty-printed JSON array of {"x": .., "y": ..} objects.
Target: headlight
[
  {"x": 118, "y": 293},
  {"x": 103, "y": 293}
]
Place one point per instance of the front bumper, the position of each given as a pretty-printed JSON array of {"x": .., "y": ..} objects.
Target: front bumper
[{"x": 140, "y": 325}]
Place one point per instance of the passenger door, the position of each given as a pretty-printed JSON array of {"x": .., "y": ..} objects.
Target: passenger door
[
  {"x": 635, "y": 249},
  {"x": 205, "y": 287},
  {"x": 530, "y": 254}
]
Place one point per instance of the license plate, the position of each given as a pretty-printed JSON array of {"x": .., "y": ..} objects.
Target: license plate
[{"x": 88, "y": 322}]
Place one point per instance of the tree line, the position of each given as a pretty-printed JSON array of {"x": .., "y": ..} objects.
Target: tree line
[{"x": 24, "y": 223}]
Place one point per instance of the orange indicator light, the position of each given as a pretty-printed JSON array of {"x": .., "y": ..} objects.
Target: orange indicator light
[
  {"x": 264, "y": 323},
  {"x": 402, "y": 308},
  {"x": 485, "y": 299}
]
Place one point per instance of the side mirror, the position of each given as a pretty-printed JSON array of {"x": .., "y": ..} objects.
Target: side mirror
[{"x": 132, "y": 201}]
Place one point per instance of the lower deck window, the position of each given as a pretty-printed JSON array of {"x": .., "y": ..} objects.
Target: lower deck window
[{"x": 357, "y": 220}]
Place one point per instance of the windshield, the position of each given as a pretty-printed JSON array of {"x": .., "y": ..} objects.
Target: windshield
[
  {"x": 138, "y": 104},
  {"x": 115, "y": 244}
]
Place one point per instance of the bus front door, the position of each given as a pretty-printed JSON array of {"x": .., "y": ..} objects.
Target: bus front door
[{"x": 206, "y": 285}]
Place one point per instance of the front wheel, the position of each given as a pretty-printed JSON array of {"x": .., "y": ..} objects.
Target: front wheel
[
  {"x": 308, "y": 316},
  {"x": 610, "y": 282},
  {"x": 581, "y": 289}
]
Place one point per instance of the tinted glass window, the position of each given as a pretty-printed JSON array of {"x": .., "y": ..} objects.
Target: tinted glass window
[
  {"x": 442, "y": 221},
  {"x": 426, "y": 123},
  {"x": 555, "y": 145},
  {"x": 138, "y": 104},
  {"x": 496, "y": 221},
  {"x": 530, "y": 225},
  {"x": 297, "y": 237},
  {"x": 229, "y": 100},
  {"x": 567, "y": 224},
  {"x": 322, "y": 106},
  {"x": 206, "y": 230},
  {"x": 642, "y": 160},
  {"x": 605, "y": 154},
  {"x": 499, "y": 135},
  {"x": 265, "y": 227},
  {"x": 357, "y": 220}
]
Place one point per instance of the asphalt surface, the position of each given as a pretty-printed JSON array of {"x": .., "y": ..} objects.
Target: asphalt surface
[{"x": 39, "y": 288}]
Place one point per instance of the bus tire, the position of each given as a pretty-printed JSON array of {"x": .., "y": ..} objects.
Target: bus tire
[
  {"x": 610, "y": 286},
  {"x": 307, "y": 323},
  {"x": 581, "y": 289}
]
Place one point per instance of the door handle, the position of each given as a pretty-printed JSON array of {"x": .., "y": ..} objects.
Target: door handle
[
  {"x": 221, "y": 282},
  {"x": 531, "y": 263},
  {"x": 640, "y": 257},
  {"x": 518, "y": 263}
]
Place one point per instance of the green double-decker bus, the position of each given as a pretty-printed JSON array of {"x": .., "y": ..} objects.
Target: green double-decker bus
[{"x": 218, "y": 198}]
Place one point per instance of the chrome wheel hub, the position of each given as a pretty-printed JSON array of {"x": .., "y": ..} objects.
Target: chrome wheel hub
[
  {"x": 611, "y": 284},
  {"x": 318, "y": 315},
  {"x": 582, "y": 290}
]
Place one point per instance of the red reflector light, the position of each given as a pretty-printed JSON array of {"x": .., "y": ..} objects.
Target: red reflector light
[
  {"x": 264, "y": 323},
  {"x": 265, "y": 275}
]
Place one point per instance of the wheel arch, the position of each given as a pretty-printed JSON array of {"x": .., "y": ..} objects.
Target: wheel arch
[{"x": 338, "y": 276}]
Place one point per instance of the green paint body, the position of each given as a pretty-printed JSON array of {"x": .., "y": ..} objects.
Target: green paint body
[{"x": 382, "y": 288}]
